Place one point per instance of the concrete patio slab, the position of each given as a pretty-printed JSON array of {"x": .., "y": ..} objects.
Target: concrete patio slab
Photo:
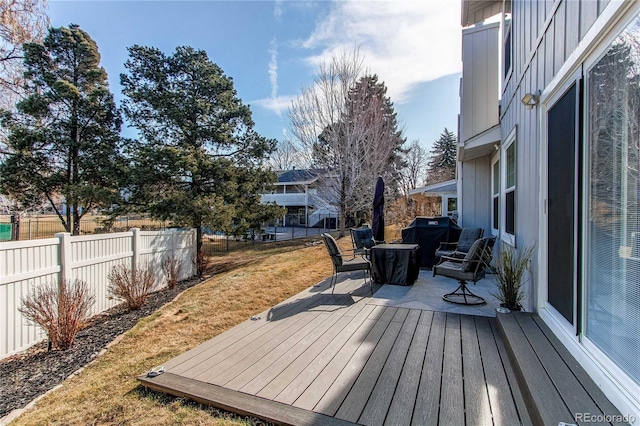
[{"x": 426, "y": 293}]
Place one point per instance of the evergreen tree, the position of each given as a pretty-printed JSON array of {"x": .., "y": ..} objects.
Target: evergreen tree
[
  {"x": 442, "y": 165},
  {"x": 199, "y": 162},
  {"x": 64, "y": 139}
]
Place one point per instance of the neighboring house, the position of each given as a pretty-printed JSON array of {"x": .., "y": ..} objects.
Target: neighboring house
[
  {"x": 297, "y": 191},
  {"x": 446, "y": 191},
  {"x": 548, "y": 156}
]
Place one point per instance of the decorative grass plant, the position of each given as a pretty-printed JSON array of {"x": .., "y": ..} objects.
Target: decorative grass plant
[{"x": 508, "y": 270}]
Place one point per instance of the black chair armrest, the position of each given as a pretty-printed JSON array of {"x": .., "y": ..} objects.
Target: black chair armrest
[
  {"x": 456, "y": 256},
  {"x": 444, "y": 243}
]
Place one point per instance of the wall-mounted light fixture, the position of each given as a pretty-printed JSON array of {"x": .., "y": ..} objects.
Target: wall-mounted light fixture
[{"x": 531, "y": 99}]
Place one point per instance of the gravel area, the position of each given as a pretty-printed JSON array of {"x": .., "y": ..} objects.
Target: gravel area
[{"x": 29, "y": 374}]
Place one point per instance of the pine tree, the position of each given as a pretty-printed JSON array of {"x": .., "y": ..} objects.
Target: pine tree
[
  {"x": 198, "y": 161},
  {"x": 442, "y": 165},
  {"x": 64, "y": 139}
]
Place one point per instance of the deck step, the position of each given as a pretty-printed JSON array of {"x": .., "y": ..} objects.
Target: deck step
[{"x": 554, "y": 386}]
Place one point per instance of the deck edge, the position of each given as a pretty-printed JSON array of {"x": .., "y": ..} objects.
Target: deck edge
[{"x": 236, "y": 402}]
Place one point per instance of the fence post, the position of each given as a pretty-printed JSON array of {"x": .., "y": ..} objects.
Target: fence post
[
  {"x": 135, "y": 247},
  {"x": 64, "y": 245},
  {"x": 194, "y": 267},
  {"x": 174, "y": 239}
]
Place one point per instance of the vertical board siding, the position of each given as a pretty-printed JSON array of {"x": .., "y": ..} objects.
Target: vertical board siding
[
  {"x": 588, "y": 15},
  {"x": 480, "y": 80},
  {"x": 26, "y": 265},
  {"x": 572, "y": 27}
]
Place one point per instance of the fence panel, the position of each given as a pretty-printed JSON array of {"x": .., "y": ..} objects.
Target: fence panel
[
  {"x": 157, "y": 246},
  {"x": 93, "y": 256},
  {"x": 25, "y": 265}
]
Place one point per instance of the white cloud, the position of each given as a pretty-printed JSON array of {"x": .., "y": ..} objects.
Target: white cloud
[
  {"x": 405, "y": 42},
  {"x": 276, "y": 104},
  {"x": 277, "y": 9},
  {"x": 273, "y": 67}
]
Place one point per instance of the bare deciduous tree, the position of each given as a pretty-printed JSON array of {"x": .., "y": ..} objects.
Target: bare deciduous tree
[
  {"x": 347, "y": 127},
  {"x": 416, "y": 158},
  {"x": 21, "y": 21},
  {"x": 285, "y": 157}
]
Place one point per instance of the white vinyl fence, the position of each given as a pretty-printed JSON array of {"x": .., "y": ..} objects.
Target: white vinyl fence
[{"x": 25, "y": 265}]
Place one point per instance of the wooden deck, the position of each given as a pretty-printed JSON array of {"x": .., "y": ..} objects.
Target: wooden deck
[
  {"x": 337, "y": 359},
  {"x": 555, "y": 387}
]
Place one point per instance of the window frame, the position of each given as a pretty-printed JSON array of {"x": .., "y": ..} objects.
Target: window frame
[
  {"x": 507, "y": 47},
  {"x": 495, "y": 195},
  {"x": 510, "y": 142}
]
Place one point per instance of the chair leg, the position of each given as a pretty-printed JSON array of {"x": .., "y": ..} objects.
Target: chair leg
[
  {"x": 367, "y": 273},
  {"x": 463, "y": 296},
  {"x": 334, "y": 278}
]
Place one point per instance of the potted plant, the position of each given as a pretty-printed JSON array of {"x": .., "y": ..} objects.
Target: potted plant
[{"x": 508, "y": 270}]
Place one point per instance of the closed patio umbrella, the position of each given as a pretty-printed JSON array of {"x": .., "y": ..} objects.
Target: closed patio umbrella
[{"x": 377, "y": 221}]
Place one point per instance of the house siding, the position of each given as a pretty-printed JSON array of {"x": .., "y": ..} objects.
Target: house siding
[
  {"x": 479, "y": 80},
  {"x": 551, "y": 41},
  {"x": 476, "y": 187}
]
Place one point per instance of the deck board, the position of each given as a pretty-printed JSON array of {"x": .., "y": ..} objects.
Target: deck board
[
  {"x": 356, "y": 330},
  {"x": 377, "y": 406},
  {"x": 322, "y": 358},
  {"x": 427, "y": 406},
  {"x": 542, "y": 392},
  {"x": 346, "y": 364},
  {"x": 476, "y": 399},
  {"x": 254, "y": 379},
  {"x": 335, "y": 337},
  {"x": 586, "y": 382},
  {"x": 226, "y": 370},
  {"x": 452, "y": 394},
  {"x": 403, "y": 401},
  {"x": 502, "y": 405},
  {"x": 354, "y": 397}
]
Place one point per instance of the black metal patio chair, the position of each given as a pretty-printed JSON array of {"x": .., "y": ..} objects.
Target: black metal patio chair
[
  {"x": 362, "y": 240},
  {"x": 466, "y": 267},
  {"x": 468, "y": 236},
  {"x": 341, "y": 263}
]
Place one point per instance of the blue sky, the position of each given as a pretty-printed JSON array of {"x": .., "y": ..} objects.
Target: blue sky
[{"x": 272, "y": 49}]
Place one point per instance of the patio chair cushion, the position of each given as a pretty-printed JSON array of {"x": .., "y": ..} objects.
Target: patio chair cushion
[
  {"x": 475, "y": 254},
  {"x": 467, "y": 237},
  {"x": 332, "y": 247},
  {"x": 362, "y": 238},
  {"x": 453, "y": 270}
]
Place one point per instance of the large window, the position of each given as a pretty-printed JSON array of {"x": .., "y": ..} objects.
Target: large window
[
  {"x": 507, "y": 47},
  {"x": 612, "y": 264},
  {"x": 508, "y": 189},
  {"x": 495, "y": 194}
]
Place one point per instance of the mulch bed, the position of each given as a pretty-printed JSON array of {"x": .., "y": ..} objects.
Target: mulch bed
[
  {"x": 25, "y": 376},
  {"x": 29, "y": 374}
]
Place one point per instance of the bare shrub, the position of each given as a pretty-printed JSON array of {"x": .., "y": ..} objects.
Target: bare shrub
[
  {"x": 132, "y": 286},
  {"x": 201, "y": 262},
  {"x": 60, "y": 309},
  {"x": 171, "y": 268}
]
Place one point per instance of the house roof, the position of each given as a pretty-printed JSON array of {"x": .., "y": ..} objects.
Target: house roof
[
  {"x": 474, "y": 11},
  {"x": 299, "y": 176},
  {"x": 448, "y": 186}
]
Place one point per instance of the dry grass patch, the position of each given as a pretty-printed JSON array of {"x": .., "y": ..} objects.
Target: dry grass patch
[{"x": 107, "y": 392}]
